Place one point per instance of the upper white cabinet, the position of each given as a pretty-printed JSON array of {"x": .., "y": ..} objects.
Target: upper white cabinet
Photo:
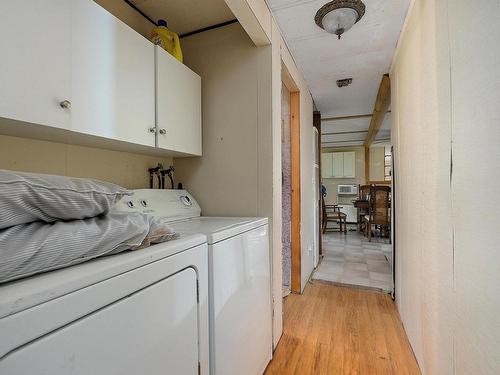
[
  {"x": 35, "y": 61},
  {"x": 349, "y": 164},
  {"x": 326, "y": 165},
  {"x": 72, "y": 65},
  {"x": 338, "y": 165},
  {"x": 113, "y": 78},
  {"x": 178, "y": 105}
]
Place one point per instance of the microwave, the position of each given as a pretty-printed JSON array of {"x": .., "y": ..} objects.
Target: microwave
[{"x": 347, "y": 189}]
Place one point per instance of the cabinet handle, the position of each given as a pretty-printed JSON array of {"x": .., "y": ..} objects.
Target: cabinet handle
[
  {"x": 163, "y": 131},
  {"x": 152, "y": 130},
  {"x": 66, "y": 104}
]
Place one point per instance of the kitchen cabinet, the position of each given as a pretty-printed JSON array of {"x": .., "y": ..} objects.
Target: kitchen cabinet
[
  {"x": 349, "y": 164},
  {"x": 326, "y": 165},
  {"x": 178, "y": 105},
  {"x": 35, "y": 72},
  {"x": 113, "y": 77},
  {"x": 338, "y": 164}
]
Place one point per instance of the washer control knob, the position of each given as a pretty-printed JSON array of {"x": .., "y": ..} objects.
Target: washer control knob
[
  {"x": 186, "y": 201},
  {"x": 66, "y": 104}
]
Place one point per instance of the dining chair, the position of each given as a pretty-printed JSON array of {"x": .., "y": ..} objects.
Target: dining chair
[
  {"x": 363, "y": 208},
  {"x": 333, "y": 214},
  {"x": 379, "y": 210}
]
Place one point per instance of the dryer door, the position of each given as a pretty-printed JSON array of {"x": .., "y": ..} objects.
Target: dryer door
[{"x": 152, "y": 331}]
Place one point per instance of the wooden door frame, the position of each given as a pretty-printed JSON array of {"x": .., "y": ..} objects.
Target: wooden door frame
[{"x": 296, "y": 274}]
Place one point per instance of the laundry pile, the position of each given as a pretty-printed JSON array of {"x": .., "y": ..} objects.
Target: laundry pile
[{"x": 49, "y": 222}]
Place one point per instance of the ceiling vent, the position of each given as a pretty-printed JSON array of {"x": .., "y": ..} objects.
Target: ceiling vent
[{"x": 344, "y": 82}]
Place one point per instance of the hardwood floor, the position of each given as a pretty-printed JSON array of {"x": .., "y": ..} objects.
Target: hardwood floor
[{"x": 337, "y": 330}]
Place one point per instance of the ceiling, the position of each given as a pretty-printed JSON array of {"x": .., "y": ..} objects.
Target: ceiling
[
  {"x": 348, "y": 133},
  {"x": 184, "y": 16},
  {"x": 364, "y": 53}
]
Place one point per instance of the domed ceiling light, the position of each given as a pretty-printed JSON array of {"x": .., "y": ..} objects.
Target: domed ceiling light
[{"x": 338, "y": 16}]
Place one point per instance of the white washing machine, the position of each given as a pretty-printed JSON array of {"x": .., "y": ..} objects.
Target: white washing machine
[
  {"x": 239, "y": 281},
  {"x": 140, "y": 312}
]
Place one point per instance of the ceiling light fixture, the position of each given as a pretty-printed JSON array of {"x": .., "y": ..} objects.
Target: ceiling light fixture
[{"x": 338, "y": 16}]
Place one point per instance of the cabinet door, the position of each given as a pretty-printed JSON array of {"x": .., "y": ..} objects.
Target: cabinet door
[
  {"x": 112, "y": 77},
  {"x": 338, "y": 164},
  {"x": 326, "y": 165},
  {"x": 178, "y": 105},
  {"x": 349, "y": 164},
  {"x": 35, "y": 63}
]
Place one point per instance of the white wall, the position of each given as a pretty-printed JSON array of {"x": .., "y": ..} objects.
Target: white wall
[
  {"x": 445, "y": 95},
  {"x": 233, "y": 177},
  {"x": 475, "y": 93}
]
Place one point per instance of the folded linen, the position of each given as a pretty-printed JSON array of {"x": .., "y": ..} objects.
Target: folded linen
[{"x": 36, "y": 247}]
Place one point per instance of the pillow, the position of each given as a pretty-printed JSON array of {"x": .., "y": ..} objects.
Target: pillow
[
  {"x": 28, "y": 197},
  {"x": 28, "y": 249},
  {"x": 158, "y": 232}
]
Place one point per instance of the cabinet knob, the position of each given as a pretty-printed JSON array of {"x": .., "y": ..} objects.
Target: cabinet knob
[
  {"x": 66, "y": 104},
  {"x": 163, "y": 131},
  {"x": 152, "y": 130}
]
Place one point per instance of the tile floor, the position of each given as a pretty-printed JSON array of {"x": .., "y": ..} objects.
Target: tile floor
[{"x": 351, "y": 259}]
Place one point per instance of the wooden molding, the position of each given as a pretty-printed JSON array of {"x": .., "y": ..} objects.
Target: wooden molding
[
  {"x": 353, "y": 117},
  {"x": 381, "y": 105},
  {"x": 295, "y": 179}
]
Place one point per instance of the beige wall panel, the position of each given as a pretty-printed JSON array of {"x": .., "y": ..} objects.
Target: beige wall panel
[
  {"x": 377, "y": 155},
  {"x": 28, "y": 155},
  {"x": 124, "y": 12},
  {"x": 122, "y": 168},
  {"x": 225, "y": 178}
]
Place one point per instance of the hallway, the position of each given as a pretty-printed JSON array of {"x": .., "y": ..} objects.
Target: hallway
[{"x": 337, "y": 330}]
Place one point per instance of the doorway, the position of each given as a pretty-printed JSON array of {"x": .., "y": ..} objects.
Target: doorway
[{"x": 351, "y": 256}]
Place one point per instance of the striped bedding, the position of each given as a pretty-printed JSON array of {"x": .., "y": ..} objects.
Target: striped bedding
[
  {"x": 37, "y": 247},
  {"x": 49, "y": 222},
  {"x": 28, "y": 197}
]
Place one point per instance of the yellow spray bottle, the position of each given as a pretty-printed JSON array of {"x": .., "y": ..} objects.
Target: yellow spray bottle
[{"x": 167, "y": 39}]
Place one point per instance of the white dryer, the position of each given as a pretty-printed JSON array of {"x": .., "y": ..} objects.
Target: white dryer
[
  {"x": 239, "y": 281},
  {"x": 140, "y": 312}
]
